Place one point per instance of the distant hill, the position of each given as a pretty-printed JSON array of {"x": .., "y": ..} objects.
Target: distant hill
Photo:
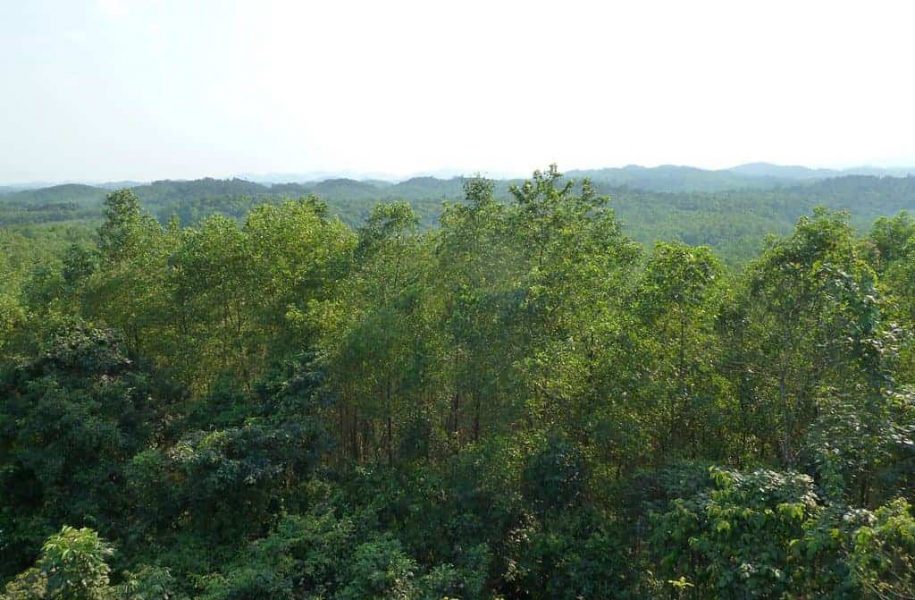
[
  {"x": 671, "y": 178},
  {"x": 159, "y": 192},
  {"x": 783, "y": 172},
  {"x": 77, "y": 193},
  {"x": 119, "y": 185},
  {"x": 794, "y": 172},
  {"x": 734, "y": 220},
  {"x": 428, "y": 187},
  {"x": 674, "y": 179},
  {"x": 58, "y": 203},
  {"x": 342, "y": 188}
]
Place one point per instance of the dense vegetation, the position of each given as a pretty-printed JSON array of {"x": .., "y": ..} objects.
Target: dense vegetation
[
  {"x": 520, "y": 403},
  {"x": 666, "y": 203}
]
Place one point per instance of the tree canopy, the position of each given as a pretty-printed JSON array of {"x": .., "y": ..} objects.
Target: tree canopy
[{"x": 521, "y": 402}]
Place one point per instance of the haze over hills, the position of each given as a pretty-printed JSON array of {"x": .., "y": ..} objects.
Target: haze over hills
[
  {"x": 286, "y": 311},
  {"x": 669, "y": 178},
  {"x": 731, "y": 210},
  {"x": 674, "y": 178}
]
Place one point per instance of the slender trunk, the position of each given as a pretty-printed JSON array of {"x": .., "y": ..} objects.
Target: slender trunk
[
  {"x": 390, "y": 428},
  {"x": 341, "y": 450},
  {"x": 682, "y": 367},
  {"x": 476, "y": 416},
  {"x": 390, "y": 444},
  {"x": 354, "y": 434},
  {"x": 783, "y": 398},
  {"x": 455, "y": 409},
  {"x": 681, "y": 430}
]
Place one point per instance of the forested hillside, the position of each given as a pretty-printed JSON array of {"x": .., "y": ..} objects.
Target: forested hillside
[
  {"x": 734, "y": 222},
  {"x": 272, "y": 398}
]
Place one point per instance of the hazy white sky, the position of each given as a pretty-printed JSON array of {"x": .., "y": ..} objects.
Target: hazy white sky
[{"x": 122, "y": 89}]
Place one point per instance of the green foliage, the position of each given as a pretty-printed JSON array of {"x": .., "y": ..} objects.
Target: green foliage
[
  {"x": 75, "y": 564},
  {"x": 70, "y": 420},
  {"x": 149, "y": 583},
  {"x": 555, "y": 477},
  {"x": 883, "y": 559},
  {"x": 892, "y": 238},
  {"x": 72, "y": 566},
  {"x": 258, "y": 400},
  {"x": 734, "y": 540},
  {"x": 379, "y": 570}
]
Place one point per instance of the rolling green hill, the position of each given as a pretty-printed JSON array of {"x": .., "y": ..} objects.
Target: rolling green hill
[{"x": 733, "y": 221}]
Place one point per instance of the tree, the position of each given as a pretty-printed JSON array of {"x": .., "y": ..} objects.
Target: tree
[
  {"x": 803, "y": 301},
  {"x": 892, "y": 239},
  {"x": 479, "y": 272},
  {"x": 127, "y": 291},
  {"x": 119, "y": 234},
  {"x": 567, "y": 308},
  {"x": 675, "y": 301},
  {"x": 72, "y": 566},
  {"x": 378, "y": 346}
]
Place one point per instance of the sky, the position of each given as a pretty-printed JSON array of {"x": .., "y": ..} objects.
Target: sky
[{"x": 110, "y": 90}]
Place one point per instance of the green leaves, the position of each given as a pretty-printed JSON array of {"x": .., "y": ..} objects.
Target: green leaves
[
  {"x": 72, "y": 566},
  {"x": 883, "y": 559},
  {"x": 737, "y": 535},
  {"x": 75, "y": 564},
  {"x": 518, "y": 404}
]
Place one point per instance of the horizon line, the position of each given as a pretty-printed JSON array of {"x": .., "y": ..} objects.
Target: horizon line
[{"x": 318, "y": 176}]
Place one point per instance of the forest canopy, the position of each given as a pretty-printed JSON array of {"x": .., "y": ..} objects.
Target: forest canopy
[
  {"x": 732, "y": 210},
  {"x": 530, "y": 391}
]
